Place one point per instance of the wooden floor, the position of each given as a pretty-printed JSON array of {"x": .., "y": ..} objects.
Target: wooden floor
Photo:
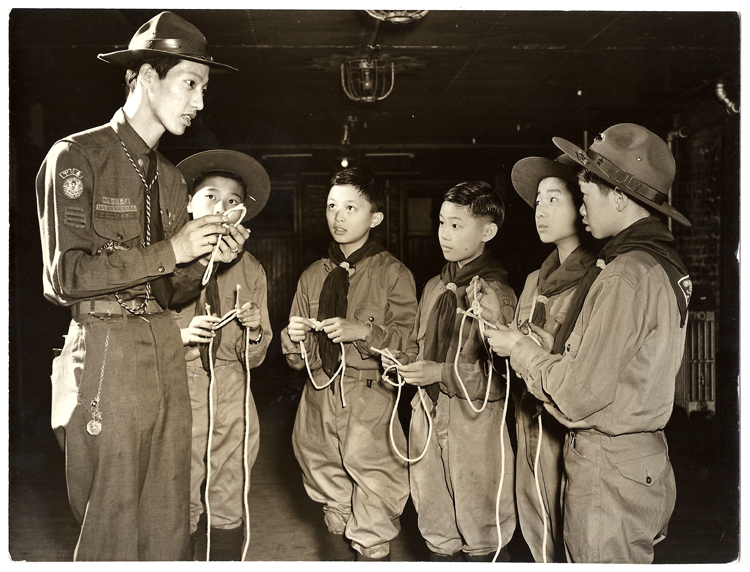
[{"x": 286, "y": 525}]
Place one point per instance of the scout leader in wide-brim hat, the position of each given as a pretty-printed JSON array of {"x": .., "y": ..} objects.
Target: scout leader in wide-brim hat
[
  {"x": 165, "y": 35},
  {"x": 529, "y": 172},
  {"x": 633, "y": 159},
  {"x": 257, "y": 183}
]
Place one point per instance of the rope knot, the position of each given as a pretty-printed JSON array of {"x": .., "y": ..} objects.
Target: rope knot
[
  {"x": 541, "y": 299},
  {"x": 452, "y": 287},
  {"x": 601, "y": 264},
  {"x": 348, "y": 267}
]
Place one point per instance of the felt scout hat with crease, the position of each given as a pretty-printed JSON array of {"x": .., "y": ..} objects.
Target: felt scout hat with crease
[
  {"x": 529, "y": 172},
  {"x": 165, "y": 35},
  {"x": 633, "y": 159},
  {"x": 256, "y": 179}
]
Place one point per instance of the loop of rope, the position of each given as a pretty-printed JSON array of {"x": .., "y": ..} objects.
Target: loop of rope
[
  {"x": 228, "y": 317},
  {"x": 502, "y": 462},
  {"x": 210, "y": 266},
  {"x": 399, "y": 384},
  {"x": 340, "y": 371},
  {"x": 539, "y": 491}
]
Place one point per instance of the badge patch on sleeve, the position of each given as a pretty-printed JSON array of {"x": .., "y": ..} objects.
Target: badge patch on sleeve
[
  {"x": 72, "y": 186},
  {"x": 686, "y": 285},
  {"x": 75, "y": 217}
]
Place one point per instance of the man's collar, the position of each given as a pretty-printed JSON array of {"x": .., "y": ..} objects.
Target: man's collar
[{"x": 134, "y": 142}]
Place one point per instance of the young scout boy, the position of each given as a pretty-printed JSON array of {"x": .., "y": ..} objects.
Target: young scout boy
[
  {"x": 118, "y": 250},
  {"x": 454, "y": 486},
  {"x": 220, "y": 180},
  {"x": 551, "y": 189},
  {"x": 360, "y": 296},
  {"x": 614, "y": 383}
]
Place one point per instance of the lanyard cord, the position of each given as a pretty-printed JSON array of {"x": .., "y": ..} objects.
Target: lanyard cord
[{"x": 210, "y": 266}]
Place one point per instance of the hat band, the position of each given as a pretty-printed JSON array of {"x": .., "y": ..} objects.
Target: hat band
[
  {"x": 178, "y": 47},
  {"x": 622, "y": 178}
]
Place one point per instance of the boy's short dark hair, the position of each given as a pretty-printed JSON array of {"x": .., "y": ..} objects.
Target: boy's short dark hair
[
  {"x": 586, "y": 176},
  {"x": 161, "y": 65},
  {"x": 481, "y": 199},
  {"x": 364, "y": 182},
  {"x": 217, "y": 173}
]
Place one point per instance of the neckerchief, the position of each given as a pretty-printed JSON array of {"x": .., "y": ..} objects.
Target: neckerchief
[
  {"x": 555, "y": 278},
  {"x": 649, "y": 235},
  {"x": 442, "y": 319},
  {"x": 333, "y": 295}
]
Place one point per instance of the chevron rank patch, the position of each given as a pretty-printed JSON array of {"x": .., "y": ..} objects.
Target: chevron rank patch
[
  {"x": 75, "y": 217},
  {"x": 72, "y": 186}
]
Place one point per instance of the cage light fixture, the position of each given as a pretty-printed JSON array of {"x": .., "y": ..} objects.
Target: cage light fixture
[
  {"x": 367, "y": 80},
  {"x": 397, "y": 16}
]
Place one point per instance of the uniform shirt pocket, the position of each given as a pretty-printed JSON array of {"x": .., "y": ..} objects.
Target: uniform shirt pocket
[
  {"x": 573, "y": 344},
  {"x": 370, "y": 315}
]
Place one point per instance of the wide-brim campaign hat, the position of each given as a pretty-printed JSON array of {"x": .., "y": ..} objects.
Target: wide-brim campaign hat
[
  {"x": 529, "y": 172},
  {"x": 165, "y": 35},
  {"x": 256, "y": 179},
  {"x": 633, "y": 159}
]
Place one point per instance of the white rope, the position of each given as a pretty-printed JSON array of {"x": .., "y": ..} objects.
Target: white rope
[
  {"x": 210, "y": 266},
  {"x": 340, "y": 371},
  {"x": 539, "y": 491},
  {"x": 502, "y": 461},
  {"x": 387, "y": 353},
  {"x": 246, "y": 487},
  {"x": 228, "y": 317}
]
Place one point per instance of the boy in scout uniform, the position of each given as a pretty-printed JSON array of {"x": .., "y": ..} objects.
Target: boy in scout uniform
[
  {"x": 455, "y": 484},
  {"x": 220, "y": 180},
  {"x": 360, "y": 296},
  {"x": 614, "y": 381},
  {"x": 118, "y": 250}
]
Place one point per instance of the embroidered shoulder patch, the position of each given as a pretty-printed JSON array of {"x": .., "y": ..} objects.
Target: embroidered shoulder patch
[
  {"x": 72, "y": 186},
  {"x": 686, "y": 285},
  {"x": 75, "y": 217}
]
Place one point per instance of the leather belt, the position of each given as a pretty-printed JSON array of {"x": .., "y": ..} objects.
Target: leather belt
[{"x": 103, "y": 308}]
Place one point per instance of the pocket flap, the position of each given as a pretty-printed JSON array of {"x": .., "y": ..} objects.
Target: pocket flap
[{"x": 644, "y": 470}]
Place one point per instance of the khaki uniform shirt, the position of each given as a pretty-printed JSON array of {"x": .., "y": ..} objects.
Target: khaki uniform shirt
[
  {"x": 91, "y": 201},
  {"x": 382, "y": 293},
  {"x": 617, "y": 374}
]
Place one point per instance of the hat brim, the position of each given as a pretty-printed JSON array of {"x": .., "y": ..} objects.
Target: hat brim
[
  {"x": 575, "y": 152},
  {"x": 126, "y": 58},
  {"x": 529, "y": 172},
  {"x": 256, "y": 179}
]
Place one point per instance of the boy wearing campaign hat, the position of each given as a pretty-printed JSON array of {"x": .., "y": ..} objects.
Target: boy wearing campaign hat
[
  {"x": 118, "y": 250},
  {"x": 551, "y": 188},
  {"x": 614, "y": 381},
  {"x": 220, "y": 180}
]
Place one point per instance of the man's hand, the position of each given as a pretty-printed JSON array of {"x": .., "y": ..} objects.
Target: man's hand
[
  {"x": 541, "y": 336},
  {"x": 200, "y": 330},
  {"x": 421, "y": 372},
  {"x": 398, "y": 354},
  {"x": 298, "y": 328},
  {"x": 503, "y": 339},
  {"x": 249, "y": 316},
  {"x": 343, "y": 330},
  {"x": 199, "y": 236}
]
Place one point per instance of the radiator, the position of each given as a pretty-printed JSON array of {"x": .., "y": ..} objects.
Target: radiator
[{"x": 695, "y": 386}]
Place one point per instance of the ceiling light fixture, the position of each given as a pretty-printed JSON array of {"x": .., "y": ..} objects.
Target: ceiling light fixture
[
  {"x": 367, "y": 80},
  {"x": 397, "y": 16}
]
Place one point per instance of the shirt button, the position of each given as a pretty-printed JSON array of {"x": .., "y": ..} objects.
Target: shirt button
[
  {"x": 162, "y": 269},
  {"x": 648, "y": 480},
  {"x": 567, "y": 347},
  {"x": 372, "y": 319},
  {"x": 120, "y": 237},
  {"x": 140, "y": 162}
]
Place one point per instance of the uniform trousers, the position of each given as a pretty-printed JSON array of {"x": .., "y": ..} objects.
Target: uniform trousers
[
  {"x": 618, "y": 498},
  {"x": 129, "y": 485},
  {"x": 225, "y": 491},
  {"x": 550, "y": 472},
  {"x": 348, "y": 463},
  {"x": 454, "y": 486}
]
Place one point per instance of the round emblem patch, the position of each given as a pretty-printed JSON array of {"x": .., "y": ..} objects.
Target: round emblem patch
[{"x": 72, "y": 187}]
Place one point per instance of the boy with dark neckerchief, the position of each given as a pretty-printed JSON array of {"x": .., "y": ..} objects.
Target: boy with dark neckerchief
[
  {"x": 614, "y": 382},
  {"x": 455, "y": 484},
  {"x": 357, "y": 298}
]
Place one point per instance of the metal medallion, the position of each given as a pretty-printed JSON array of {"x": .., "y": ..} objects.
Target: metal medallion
[{"x": 94, "y": 427}]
